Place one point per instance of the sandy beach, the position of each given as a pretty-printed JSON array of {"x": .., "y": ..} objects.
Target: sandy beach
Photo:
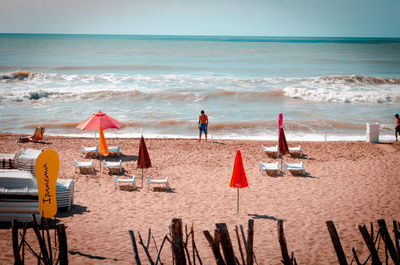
[{"x": 350, "y": 183}]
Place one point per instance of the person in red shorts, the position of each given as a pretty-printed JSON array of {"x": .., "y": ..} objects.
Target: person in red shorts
[{"x": 202, "y": 125}]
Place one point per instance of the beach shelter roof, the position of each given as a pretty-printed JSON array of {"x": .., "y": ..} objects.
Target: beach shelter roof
[
  {"x": 103, "y": 148},
  {"x": 143, "y": 157},
  {"x": 97, "y": 119}
]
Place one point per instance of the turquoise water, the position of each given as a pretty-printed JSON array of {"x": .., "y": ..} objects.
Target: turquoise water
[{"x": 159, "y": 84}]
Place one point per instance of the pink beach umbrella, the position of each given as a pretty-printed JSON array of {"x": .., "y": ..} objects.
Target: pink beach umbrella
[{"x": 99, "y": 119}]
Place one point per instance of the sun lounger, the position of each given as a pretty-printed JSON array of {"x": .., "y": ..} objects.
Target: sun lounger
[
  {"x": 294, "y": 167},
  {"x": 19, "y": 195},
  {"x": 27, "y": 159},
  {"x": 84, "y": 164},
  {"x": 157, "y": 181},
  {"x": 273, "y": 150},
  {"x": 114, "y": 149},
  {"x": 89, "y": 149},
  {"x": 131, "y": 180},
  {"x": 296, "y": 149},
  {"x": 269, "y": 167},
  {"x": 113, "y": 164}
]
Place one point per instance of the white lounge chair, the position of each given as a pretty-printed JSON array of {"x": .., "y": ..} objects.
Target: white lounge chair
[
  {"x": 27, "y": 159},
  {"x": 84, "y": 164},
  {"x": 131, "y": 180},
  {"x": 114, "y": 149},
  {"x": 113, "y": 164},
  {"x": 294, "y": 167},
  {"x": 157, "y": 181},
  {"x": 296, "y": 149},
  {"x": 273, "y": 150},
  {"x": 89, "y": 149},
  {"x": 269, "y": 167}
]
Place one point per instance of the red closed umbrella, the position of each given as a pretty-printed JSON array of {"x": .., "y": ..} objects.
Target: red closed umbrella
[
  {"x": 143, "y": 157},
  {"x": 282, "y": 144},
  {"x": 238, "y": 177}
]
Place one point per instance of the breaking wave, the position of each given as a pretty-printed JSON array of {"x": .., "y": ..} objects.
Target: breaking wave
[
  {"x": 346, "y": 89},
  {"x": 188, "y": 88}
]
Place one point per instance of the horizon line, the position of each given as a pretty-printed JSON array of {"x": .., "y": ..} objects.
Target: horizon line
[{"x": 195, "y": 35}]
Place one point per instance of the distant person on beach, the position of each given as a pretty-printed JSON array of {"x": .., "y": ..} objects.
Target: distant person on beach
[
  {"x": 203, "y": 124},
  {"x": 397, "y": 128}
]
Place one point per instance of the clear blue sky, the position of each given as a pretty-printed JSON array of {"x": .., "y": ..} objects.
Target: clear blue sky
[{"x": 342, "y": 18}]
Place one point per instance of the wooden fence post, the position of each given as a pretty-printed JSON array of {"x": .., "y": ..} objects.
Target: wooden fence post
[
  {"x": 250, "y": 237},
  {"x": 226, "y": 244},
  {"x": 177, "y": 242},
  {"x": 282, "y": 242},
  {"x": 62, "y": 244},
  {"x": 369, "y": 241},
  {"x": 214, "y": 244},
  {"x": 336, "y": 242},
  {"x": 388, "y": 241},
  {"x": 135, "y": 250},
  {"x": 396, "y": 236}
]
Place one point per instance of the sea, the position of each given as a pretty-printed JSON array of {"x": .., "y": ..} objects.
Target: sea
[{"x": 327, "y": 89}]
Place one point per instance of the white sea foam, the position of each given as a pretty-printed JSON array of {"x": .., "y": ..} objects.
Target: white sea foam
[{"x": 346, "y": 89}]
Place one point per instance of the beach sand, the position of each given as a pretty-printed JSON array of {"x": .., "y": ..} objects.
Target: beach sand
[{"x": 350, "y": 183}]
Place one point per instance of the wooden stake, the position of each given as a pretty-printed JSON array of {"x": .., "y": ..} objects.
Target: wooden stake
[
  {"x": 250, "y": 236},
  {"x": 177, "y": 242},
  {"x": 226, "y": 243},
  {"x": 214, "y": 244},
  {"x": 240, "y": 245},
  {"x": 396, "y": 236},
  {"x": 388, "y": 242},
  {"x": 369, "y": 241},
  {"x": 135, "y": 250},
  {"x": 336, "y": 243},
  {"x": 62, "y": 244},
  {"x": 282, "y": 241}
]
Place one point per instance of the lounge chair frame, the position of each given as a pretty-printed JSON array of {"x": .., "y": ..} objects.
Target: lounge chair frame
[
  {"x": 131, "y": 180},
  {"x": 113, "y": 164},
  {"x": 294, "y": 167},
  {"x": 84, "y": 164},
  {"x": 157, "y": 181},
  {"x": 269, "y": 167}
]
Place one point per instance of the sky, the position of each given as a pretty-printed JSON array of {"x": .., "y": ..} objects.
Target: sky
[{"x": 321, "y": 18}]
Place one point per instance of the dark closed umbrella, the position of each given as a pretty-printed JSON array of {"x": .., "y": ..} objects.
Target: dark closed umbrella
[
  {"x": 143, "y": 157},
  {"x": 282, "y": 144}
]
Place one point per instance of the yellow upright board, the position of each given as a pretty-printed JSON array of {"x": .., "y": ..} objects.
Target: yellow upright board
[{"x": 46, "y": 171}]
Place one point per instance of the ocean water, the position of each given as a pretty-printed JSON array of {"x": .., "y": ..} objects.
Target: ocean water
[{"x": 326, "y": 88}]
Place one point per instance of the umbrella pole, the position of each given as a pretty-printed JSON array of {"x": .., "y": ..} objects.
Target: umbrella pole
[
  {"x": 237, "y": 211},
  {"x": 142, "y": 177}
]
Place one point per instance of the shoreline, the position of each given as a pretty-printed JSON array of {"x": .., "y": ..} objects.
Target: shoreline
[
  {"x": 350, "y": 183},
  {"x": 318, "y": 137}
]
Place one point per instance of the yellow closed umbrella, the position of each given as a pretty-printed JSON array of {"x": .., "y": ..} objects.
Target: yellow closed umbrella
[{"x": 103, "y": 148}]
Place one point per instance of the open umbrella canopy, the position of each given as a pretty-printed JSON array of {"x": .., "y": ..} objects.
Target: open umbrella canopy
[
  {"x": 282, "y": 144},
  {"x": 143, "y": 157},
  {"x": 238, "y": 177},
  {"x": 103, "y": 148},
  {"x": 97, "y": 119}
]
